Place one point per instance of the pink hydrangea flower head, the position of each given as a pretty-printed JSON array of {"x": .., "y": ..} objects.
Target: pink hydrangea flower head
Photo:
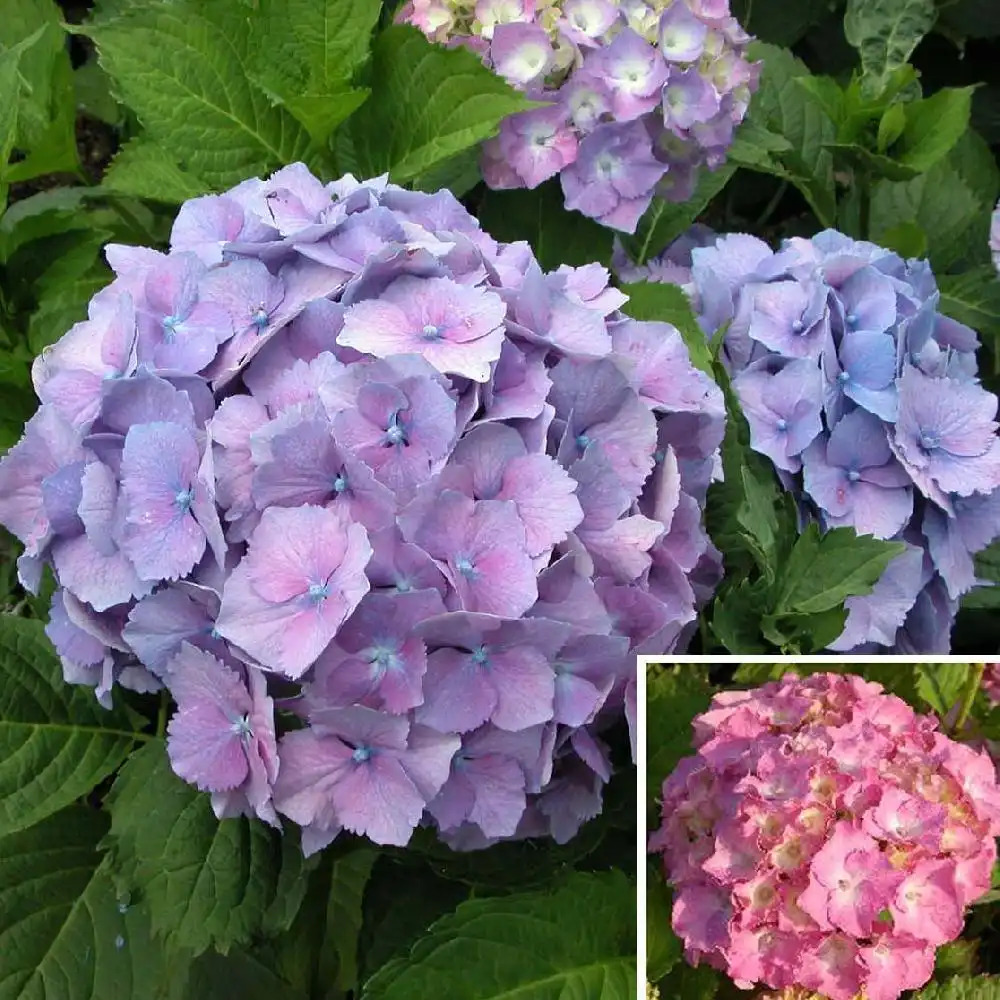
[{"x": 800, "y": 862}]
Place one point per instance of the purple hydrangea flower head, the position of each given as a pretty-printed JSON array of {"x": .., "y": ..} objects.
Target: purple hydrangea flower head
[
  {"x": 865, "y": 398},
  {"x": 676, "y": 70},
  {"x": 341, "y": 453}
]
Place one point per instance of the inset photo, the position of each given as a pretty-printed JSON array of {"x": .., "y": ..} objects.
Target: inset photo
[{"x": 822, "y": 830}]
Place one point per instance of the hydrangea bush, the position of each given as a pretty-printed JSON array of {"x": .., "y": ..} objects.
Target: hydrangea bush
[
  {"x": 825, "y": 837},
  {"x": 339, "y": 453},
  {"x": 636, "y": 97},
  {"x": 866, "y": 399}
]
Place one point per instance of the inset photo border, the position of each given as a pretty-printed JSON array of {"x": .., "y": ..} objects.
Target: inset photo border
[{"x": 815, "y": 828}]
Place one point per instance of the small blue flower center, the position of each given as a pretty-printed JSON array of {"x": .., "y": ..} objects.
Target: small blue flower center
[
  {"x": 782, "y": 424},
  {"x": 915, "y": 358},
  {"x": 214, "y": 632},
  {"x": 480, "y": 657},
  {"x": 844, "y": 377},
  {"x": 361, "y": 754},
  {"x": 395, "y": 434},
  {"x": 659, "y": 456},
  {"x": 583, "y": 441},
  {"x": 340, "y": 483},
  {"x": 259, "y": 318},
  {"x": 170, "y": 324},
  {"x": 798, "y": 326},
  {"x": 403, "y": 586},
  {"x": 242, "y": 727},
  {"x": 318, "y": 592},
  {"x": 431, "y": 332},
  {"x": 853, "y": 475},
  {"x": 929, "y": 440},
  {"x": 464, "y": 565},
  {"x": 852, "y": 320},
  {"x": 384, "y": 656},
  {"x": 183, "y": 500}
]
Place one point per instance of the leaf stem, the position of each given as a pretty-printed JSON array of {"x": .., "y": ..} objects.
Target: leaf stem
[
  {"x": 765, "y": 216},
  {"x": 972, "y": 685},
  {"x": 161, "y": 716}
]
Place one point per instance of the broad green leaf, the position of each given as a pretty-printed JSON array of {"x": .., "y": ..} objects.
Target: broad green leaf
[
  {"x": 235, "y": 976},
  {"x": 891, "y": 126},
  {"x": 349, "y": 875},
  {"x": 64, "y": 931},
  {"x": 576, "y": 940},
  {"x": 46, "y": 108},
  {"x": 736, "y": 616},
  {"x": 950, "y": 203},
  {"x": 973, "y": 298},
  {"x": 665, "y": 220},
  {"x": 787, "y": 109},
  {"x": 957, "y": 958},
  {"x": 869, "y": 165},
  {"x": 907, "y": 239},
  {"x": 403, "y": 899},
  {"x": 206, "y": 882},
  {"x": 663, "y": 947},
  {"x": 9, "y": 85},
  {"x": 941, "y": 685},
  {"x": 648, "y": 300},
  {"x": 428, "y": 103},
  {"x": 93, "y": 93},
  {"x": 182, "y": 68},
  {"x": 143, "y": 169},
  {"x": 685, "y": 982},
  {"x": 975, "y": 988},
  {"x": 41, "y": 215},
  {"x": 933, "y": 126},
  {"x": 674, "y": 696},
  {"x": 305, "y": 53},
  {"x": 885, "y": 33},
  {"x": 823, "y": 570},
  {"x": 557, "y": 235},
  {"x": 56, "y": 742}
]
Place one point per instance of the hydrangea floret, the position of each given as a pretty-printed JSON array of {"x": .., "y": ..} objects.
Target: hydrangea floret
[
  {"x": 638, "y": 97},
  {"x": 825, "y": 836},
  {"x": 866, "y": 399},
  {"x": 340, "y": 453}
]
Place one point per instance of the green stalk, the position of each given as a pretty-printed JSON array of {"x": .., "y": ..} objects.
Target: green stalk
[{"x": 972, "y": 685}]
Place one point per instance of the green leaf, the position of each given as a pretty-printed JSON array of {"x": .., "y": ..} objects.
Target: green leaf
[
  {"x": 93, "y": 93},
  {"x": 686, "y": 982},
  {"x": 306, "y": 52},
  {"x": 933, "y": 126},
  {"x": 789, "y": 110},
  {"x": 649, "y": 300},
  {"x": 142, "y": 169},
  {"x": 663, "y": 947},
  {"x": 823, "y": 570},
  {"x": 778, "y": 21},
  {"x": 941, "y": 685},
  {"x": 41, "y": 215},
  {"x": 674, "y": 696},
  {"x": 338, "y": 960},
  {"x": 46, "y": 107},
  {"x": 56, "y": 742},
  {"x": 235, "y": 976},
  {"x": 64, "y": 930},
  {"x": 207, "y": 882},
  {"x": 182, "y": 68},
  {"x": 404, "y": 898},
  {"x": 736, "y": 616},
  {"x": 950, "y": 203},
  {"x": 977, "y": 988},
  {"x": 665, "y": 220},
  {"x": 557, "y": 235},
  {"x": 574, "y": 940},
  {"x": 907, "y": 239},
  {"x": 428, "y": 103},
  {"x": 885, "y": 33},
  {"x": 973, "y": 298}
]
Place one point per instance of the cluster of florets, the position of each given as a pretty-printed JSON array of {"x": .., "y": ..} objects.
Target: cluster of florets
[
  {"x": 865, "y": 398},
  {"x": 340, "y": 446},
  {"x": 639, "y": 96},
  {"x": 825, "y": 836}
]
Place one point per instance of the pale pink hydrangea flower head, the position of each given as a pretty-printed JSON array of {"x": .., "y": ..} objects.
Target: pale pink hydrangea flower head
[{"x": 825, "y": 838}]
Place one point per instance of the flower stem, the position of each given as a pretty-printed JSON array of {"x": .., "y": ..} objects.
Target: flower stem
[
  {"x": 972, "y": 685},
  {"x": 161, "y": 716}
]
